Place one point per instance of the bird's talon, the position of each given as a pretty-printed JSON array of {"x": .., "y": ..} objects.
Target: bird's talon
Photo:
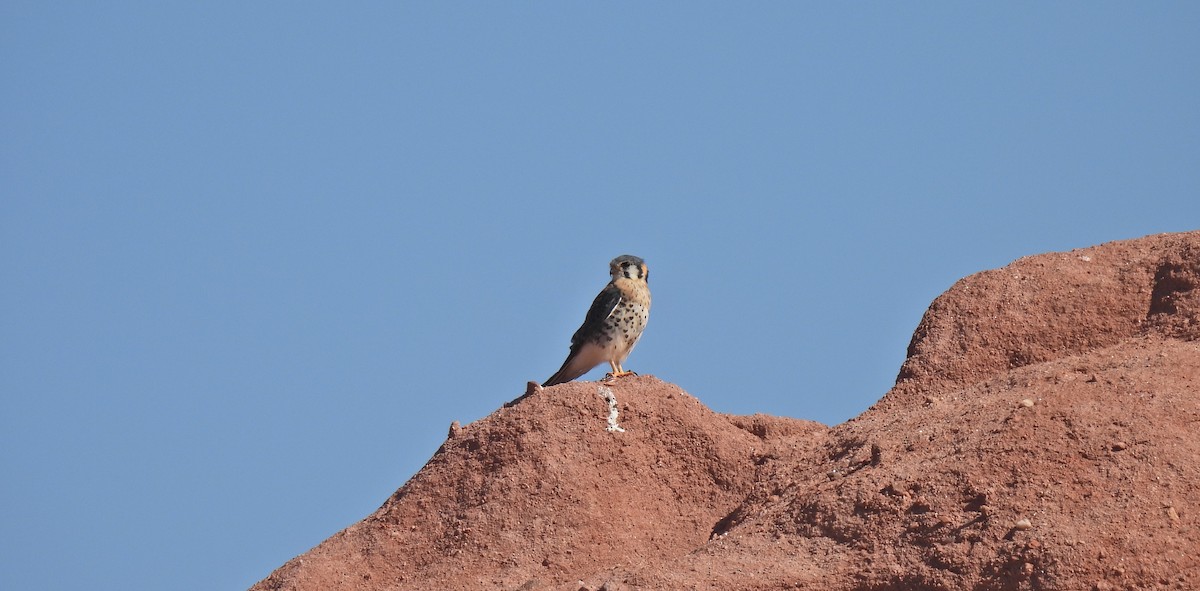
[{"x": 608, "y": 377}]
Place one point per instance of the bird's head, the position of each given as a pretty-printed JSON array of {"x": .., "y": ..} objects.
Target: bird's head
[{"x": 630, "y": 267}]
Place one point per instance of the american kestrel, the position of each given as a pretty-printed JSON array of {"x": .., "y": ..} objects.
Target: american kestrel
[{"x": 613, "y": 324}]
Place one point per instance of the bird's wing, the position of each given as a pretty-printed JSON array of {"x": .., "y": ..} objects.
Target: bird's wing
[
  {"x": 602, "y": 307},
  {"x": 584, "y": 355}
]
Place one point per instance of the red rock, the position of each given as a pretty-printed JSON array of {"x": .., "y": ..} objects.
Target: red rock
[{"x": 540, "y": 496}]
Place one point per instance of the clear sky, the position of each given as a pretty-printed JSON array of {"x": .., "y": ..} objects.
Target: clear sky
[{"x": 256, "y": 256}]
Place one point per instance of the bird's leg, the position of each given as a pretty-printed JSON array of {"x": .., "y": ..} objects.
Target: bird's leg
[{"x": 618, "y": 371}]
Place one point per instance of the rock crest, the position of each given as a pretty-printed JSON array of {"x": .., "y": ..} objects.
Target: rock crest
[{"x": 1042, "y": 434}]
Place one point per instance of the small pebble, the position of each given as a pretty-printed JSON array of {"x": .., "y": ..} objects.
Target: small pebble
[
  {"x": 1119, "y": 446},
  {"x": 1027, "y": 403},
  {"x": 1022, "y": 525}
]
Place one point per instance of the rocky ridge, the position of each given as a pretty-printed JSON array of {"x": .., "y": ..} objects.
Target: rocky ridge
[{"x": 1042, "y": 434}]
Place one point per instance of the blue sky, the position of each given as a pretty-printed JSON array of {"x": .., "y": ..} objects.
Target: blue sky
[{"x": 256, "y": 257}]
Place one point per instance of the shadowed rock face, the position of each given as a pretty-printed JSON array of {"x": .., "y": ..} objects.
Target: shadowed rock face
[{"x": 1041, "y": 435}]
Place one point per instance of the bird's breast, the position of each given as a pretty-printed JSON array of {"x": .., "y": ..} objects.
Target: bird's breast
[{"x": 624, "y": 326}]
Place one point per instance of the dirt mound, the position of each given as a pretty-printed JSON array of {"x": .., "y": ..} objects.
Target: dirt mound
[
  {"x": 1041, "y": 435},
  {"x": 543, "y": 492}
]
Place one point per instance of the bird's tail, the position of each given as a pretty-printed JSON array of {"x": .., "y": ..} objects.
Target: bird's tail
[
  {"x": 571, "y": 369},
  {"x": 558, "y": 378}
]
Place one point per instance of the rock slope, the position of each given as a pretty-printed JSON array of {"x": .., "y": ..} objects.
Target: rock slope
[{"x": 1042, "y": 434}]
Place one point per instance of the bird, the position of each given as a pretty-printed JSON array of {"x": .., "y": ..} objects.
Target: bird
[{"x": 613, "y": 324}]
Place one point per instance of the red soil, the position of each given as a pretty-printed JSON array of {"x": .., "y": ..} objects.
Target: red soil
[{"x": 1043, "y": 434}]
